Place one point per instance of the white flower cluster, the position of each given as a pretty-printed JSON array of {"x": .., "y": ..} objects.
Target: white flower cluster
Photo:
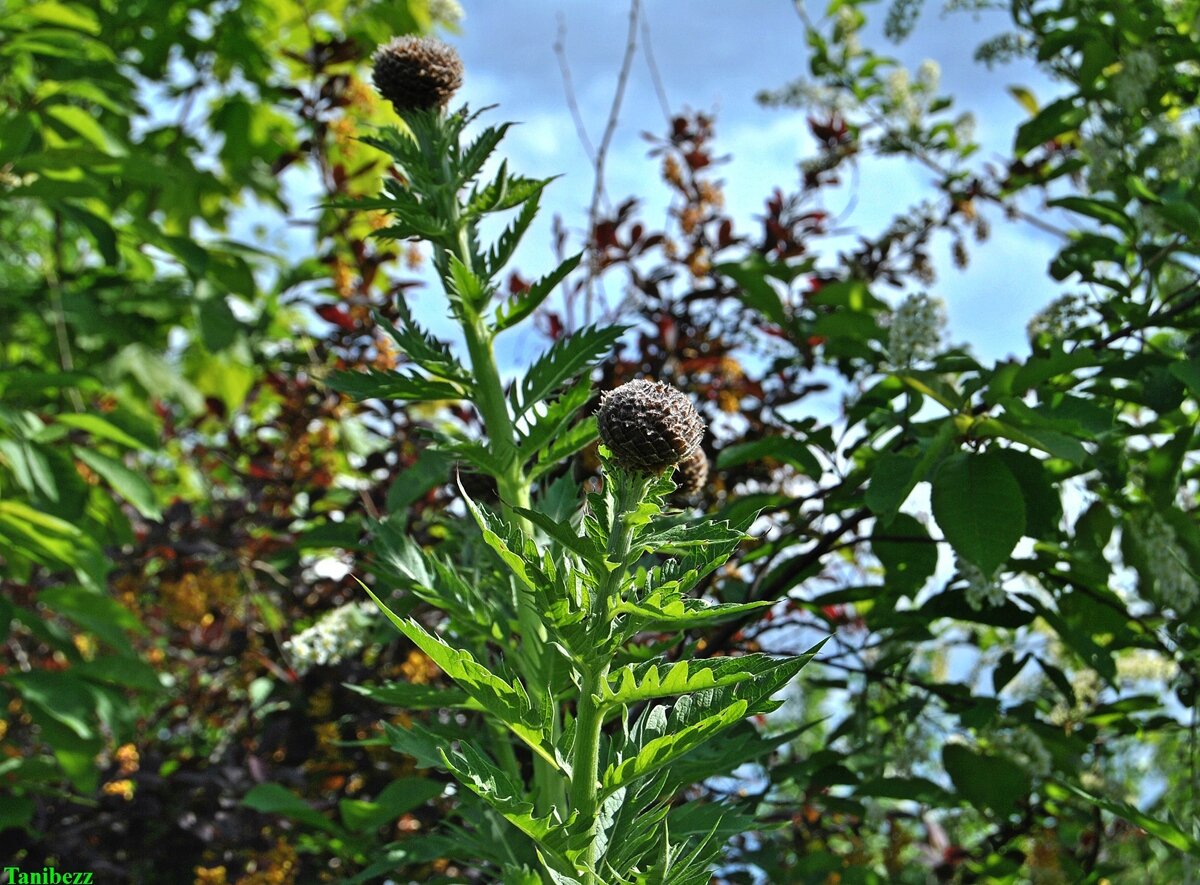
[
  {"x": 1173, "y": 579},
  {"x": 916, "y": 328},
  {"x": 1058, "y": 319},
  {"x": 1086, "y": 685},
  {"x": 900, "y": 96},
  {"x": 447, "y": 12},
  {"x": 981, "y": 589},
  {"x": 1138, "y": 73},
  {"x": 1146, "y": 665},
  {"x": 847, "y": 26},
  {"x": 337, "y": 635}
]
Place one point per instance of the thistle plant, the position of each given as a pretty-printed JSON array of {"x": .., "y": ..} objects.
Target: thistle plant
[{"x": 579, "y": 714}]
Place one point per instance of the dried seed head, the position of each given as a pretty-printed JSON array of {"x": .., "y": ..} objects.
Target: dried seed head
[
  {"x": 649, "y": 425},
  {"x": 417, "y": 73},
  {"x": 691, "y": 474}
]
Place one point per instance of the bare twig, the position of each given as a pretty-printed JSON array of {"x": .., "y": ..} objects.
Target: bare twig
[
  {"x": 560, "y": 52},
  {"x": 610, "y": 129}
]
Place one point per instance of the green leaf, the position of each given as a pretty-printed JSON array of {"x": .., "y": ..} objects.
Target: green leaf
[
  {"x": 508, "y": 702},
  {"x": 661, "y": 751},
  {"x": 506, "y": 244},
  {"x": 478, "y": 774},
  {"x": 894, "y": 476},
  {"x": 907, "y": 553},
  {"x": 400, "y": 796},
  {"x": 989, "y": 782},
  {"x": 422, "y": 348},
  {"x": 641, "y": 682},
  {"x": 566, "y": 358},
  {"x": 1167, "y": 832},
  {"x": 477, "y": 152},
  {"x": 544, "y": 425},
  {"x": 83, "y": 123},
  {"x": 216, "y": 323},
  {"x": 60, "y": 695},
  {"x": 786, "y": 449},
  {"x": 1055, "y": 119},
  {"x": 522, "y": 304},
  {"x": 1104, "y": 211},
  {"x": 978, "y": 506},
  {"x": 100, "y": 427},
  {"x": 133, "y": 487},
  {"x": 408, "y": 696},
  {"x": 566, "y": 535},
  {"x": 374, "y": 384},
  {"x": 467, "y": 285},
  {"x": 276, "y": 799},
  {"x": 73, "y": 16}
]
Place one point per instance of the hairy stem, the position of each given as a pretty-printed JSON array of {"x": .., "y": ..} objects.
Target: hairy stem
[
  {"x": 514, "y": 488},
  {"x": 589, "y": 714}
]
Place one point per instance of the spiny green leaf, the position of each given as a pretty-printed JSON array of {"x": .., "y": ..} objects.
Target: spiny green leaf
[
  {"x": 421, "y": 347},
  {"x": 640, "y": 682},
  {"x": 544, "y": 424},
  {"x": 661, "y": 751},
  {"x": 564, "y": 534},
  {"x": 375, "y": 384},
  {"x": 562, "y": 362},
  {"x": 550, "y": 832},
  {"x": 506, "y": 244},
  {"x": 468, "y": 285},
  {"x": 509, "y": 703},
  {"x": 476, "y": 153},
  {"x": 522, "y": 304},
  {"x": 565, "y": 444}
]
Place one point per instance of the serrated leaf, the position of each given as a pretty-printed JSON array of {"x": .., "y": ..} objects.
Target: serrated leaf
[
  {"x": 522, "y": 304},
  {"x": 667, "y": 614},
  {"x": 376, "y": 384},
  {"x": 661, "y": 751},
  {"x": 508, "y": 702},
  {"x": 506, "y": 244},
  {"x": 640, "y": 682},
  {"x": 468, "y": 285},
  {"x": 478, "y": 151},
  {"x": 544, "y": 424},
  {"x": 421, "y": 347},
  {"x": 527, "y": 572},
  {"x": 565, "y": 444},
  {"x": 566, "y": 359},
  {"x": 477, "y": 773},
  {"x": 565, "y": 534}
]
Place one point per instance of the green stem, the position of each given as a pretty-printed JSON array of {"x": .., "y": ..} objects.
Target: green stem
[
  {"x": 589, "y": 713},
  {"x": 514, "y": 488}
]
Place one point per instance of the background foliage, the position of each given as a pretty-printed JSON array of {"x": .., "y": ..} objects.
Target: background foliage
[{"x": 1010, "y": 690}]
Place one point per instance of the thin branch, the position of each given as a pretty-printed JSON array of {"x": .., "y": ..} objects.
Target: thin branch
[
  {"x": 610, "y": 129},
  {"x": 652, "y": 65},
  {"x": 564, "y": 67}
]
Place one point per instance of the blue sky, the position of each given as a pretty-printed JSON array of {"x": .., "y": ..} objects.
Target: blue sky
[{"x": 715, "y": 55}]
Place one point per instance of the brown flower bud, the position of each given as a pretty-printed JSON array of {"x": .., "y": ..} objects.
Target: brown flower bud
[
  {"x": 649, "y": 425},
  {"x": 417, "y": 73},
  {"x": 691, "y": 474}
]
